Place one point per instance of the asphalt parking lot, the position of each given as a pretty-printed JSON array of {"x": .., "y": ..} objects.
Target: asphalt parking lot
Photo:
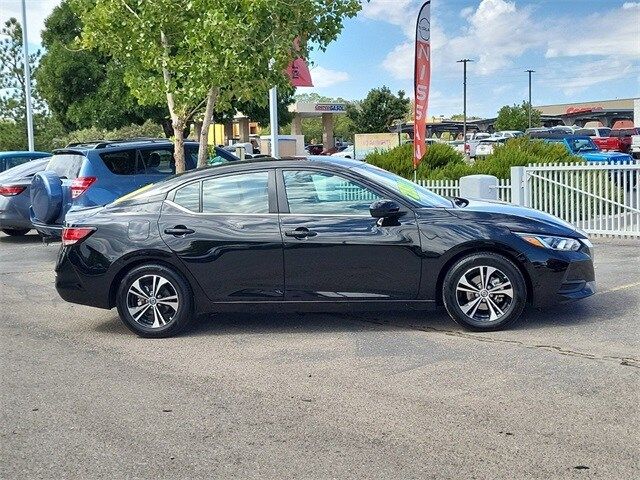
[{"x": 319, "y": 396}]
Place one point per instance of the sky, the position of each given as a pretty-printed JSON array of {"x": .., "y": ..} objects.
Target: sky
[{"x": 581, "y": 50}]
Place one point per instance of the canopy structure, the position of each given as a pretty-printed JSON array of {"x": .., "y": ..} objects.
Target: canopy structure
[{"x": 327, "y": 111}]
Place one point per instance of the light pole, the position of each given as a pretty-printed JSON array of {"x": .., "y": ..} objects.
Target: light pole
[
  {"x": 530, "y": 107},
  {"x": 27, "y": 77},
  {"x": 464, "y": 62}
]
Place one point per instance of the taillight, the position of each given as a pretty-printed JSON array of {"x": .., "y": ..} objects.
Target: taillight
[
  {"x": 467, "y": 148},
  {"x": 11, "y": 190},
  {"x": 80, "y": 185},
  {"x": 71, "y": 235}
]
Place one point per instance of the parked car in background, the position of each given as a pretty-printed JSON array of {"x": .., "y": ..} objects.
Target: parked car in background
[
  {"x": 508, "y": 134},
  {"x": 583, "y": 146},
  {"x": 13, "y": 159},
  {"x": 624, "y": 138},
  {"x": 485, "y": 147},
  {"x": 473, "y": 139},
  {"x": 90, "y": 174},
  {"x": 457, "y": 145},
  {"x": 635, "y": 145},
  {"x": 310, "y": 235},
  {"x": 15, "y": 196},
  {"x": 601, "y": 136}
]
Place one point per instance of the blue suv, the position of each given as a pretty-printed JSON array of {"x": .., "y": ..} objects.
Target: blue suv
[{"x": 91, "y": 174}]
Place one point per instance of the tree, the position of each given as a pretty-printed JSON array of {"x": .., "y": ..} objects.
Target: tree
[
  {"x": 201, "y": 54},
  {"x": 13, "y": 104},
  {"x": 517, "y": 117},
  {"x": 378, "y": 110},
  {"x": 85, "y": 88}
]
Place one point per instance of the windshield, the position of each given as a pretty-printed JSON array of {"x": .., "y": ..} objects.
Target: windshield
[
  {"x": 403, "y": 187},
  {"x": 582, "y": 144}
]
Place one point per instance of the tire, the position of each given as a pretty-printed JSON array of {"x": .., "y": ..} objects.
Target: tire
[
  {"x": 46, "y": 196},
  {"x": 12, "y": 232},
  {"x": 486, "y": 307},
  {"x": 159, "y": 319}
]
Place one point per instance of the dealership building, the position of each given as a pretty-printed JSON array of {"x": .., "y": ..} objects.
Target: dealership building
[{"x": 609, "y": 113}]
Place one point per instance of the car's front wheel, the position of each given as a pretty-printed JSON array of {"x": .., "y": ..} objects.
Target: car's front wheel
[
  {"x": 16, "y": 232},
  {"x": 154, "y": 301},
  {"x": 484, "y": 291}
]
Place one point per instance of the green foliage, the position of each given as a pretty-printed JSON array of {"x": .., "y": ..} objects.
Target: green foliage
[
  {"x": 399, "y": 160},
  {"x": 210, "y": 52},
  {"x": 83, "y": 87},
  {"x": 378, "y": 110},
  {"x": 516, "y": 117},
  {"x": 146, "y": 130},
  {"x": 441, "y": 162}
]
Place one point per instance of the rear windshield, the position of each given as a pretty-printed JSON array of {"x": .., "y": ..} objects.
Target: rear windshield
[{"x": 66, "y": 165}]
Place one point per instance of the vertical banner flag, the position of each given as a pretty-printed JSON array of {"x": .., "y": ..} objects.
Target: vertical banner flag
[
  {"x": 298, "y": 70},
  {"x": 422, "y": 78}
]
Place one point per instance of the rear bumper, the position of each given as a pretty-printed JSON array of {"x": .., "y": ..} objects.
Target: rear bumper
[
  {"x": 50, "y": 231},
  {"x": 13, "y": 219}
]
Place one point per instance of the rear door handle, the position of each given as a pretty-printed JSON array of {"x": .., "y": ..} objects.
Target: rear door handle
[
  {"x": 301, "y": 232},
  {"x": 179, "y": 230}
]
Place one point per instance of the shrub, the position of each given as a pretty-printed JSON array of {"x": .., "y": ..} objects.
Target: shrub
[{"x": 399, "y": 160}]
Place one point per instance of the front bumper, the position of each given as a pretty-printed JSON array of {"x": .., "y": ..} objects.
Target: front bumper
[{"x": 560, "y": 277}]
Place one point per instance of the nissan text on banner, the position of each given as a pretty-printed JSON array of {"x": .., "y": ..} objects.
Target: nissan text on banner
[{"x": 422, "y": 78}]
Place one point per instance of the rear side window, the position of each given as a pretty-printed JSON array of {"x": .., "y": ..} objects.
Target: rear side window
[
  {"x": 189, "y": 197},
  {"x": 155, "y": 162},
  {"x": 120, "y": 163},
  {"x": 66, "y": 165},
  {"x": 242, "y": 193}
]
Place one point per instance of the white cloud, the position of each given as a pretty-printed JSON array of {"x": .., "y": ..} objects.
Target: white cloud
[
  {"x": 37, "y": 12},
  {"x": 581, "y": 75},
  {"x": 396, "y": 12},
  {"x": 612, "y": 33},
  {"x": 324, "y": 77}
]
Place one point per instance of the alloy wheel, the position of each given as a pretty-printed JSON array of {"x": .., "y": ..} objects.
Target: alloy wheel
[
  {"x": 484, "y": 294},
  {"x": 152, "y": 301}
]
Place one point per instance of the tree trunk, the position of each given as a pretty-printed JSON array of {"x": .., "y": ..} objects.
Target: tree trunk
[
  {"x": 178, "y": 145},
  {"x": 203, "y": 151}
]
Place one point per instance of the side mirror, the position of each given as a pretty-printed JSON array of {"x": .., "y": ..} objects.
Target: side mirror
[{"x": 385, "y": 209}]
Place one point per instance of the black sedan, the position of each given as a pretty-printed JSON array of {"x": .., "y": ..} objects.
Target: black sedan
[{"x": 318, "y": 234}]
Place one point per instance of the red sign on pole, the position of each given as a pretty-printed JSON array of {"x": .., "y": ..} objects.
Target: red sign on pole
[
  {"x": 298, "y": 70},
  {"x": 422, "y": 79}
]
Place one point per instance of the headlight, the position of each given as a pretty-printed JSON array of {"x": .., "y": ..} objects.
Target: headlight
[{"x": 554, "y": 243}]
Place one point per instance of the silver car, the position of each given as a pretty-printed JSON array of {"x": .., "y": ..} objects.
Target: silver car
[{"x": 15, "y": 197}]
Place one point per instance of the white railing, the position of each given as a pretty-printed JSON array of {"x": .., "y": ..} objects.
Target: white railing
[
  {"x": 451, "y": 188},
  {"x": 601, "y": 199}
]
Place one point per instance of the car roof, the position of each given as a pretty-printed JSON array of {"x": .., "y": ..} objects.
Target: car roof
[
  {"x": 557, "y": 136},
  {"x": 117, "y": 144}
]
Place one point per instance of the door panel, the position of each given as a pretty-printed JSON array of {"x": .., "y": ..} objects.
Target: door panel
[
  {"x": 342, "y": 253},
  {"x": 235, "y": 256}
]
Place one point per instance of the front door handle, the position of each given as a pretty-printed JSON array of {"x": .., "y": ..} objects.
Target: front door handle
[
  {"x": 179, "y": 231},
  {"x": 300, "y": 232}
]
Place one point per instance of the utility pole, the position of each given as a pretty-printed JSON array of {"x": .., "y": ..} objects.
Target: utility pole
[
  {"x": 464, "y": 62},
  {"x": 27, "y": 77},
  {"x": 530, "y": 107}
]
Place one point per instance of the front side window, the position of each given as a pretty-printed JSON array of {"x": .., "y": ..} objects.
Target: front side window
[
  {"x": 324, "y": 193},
  {"x": 241, "y": 193}
]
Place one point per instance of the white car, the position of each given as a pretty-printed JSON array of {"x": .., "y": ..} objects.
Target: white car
[
  {"x": 635, "y": 146},
  {"x": 348, "y": 152},
  {"x": 485, "y": 147},
  {"x": 508, "y": 134}
]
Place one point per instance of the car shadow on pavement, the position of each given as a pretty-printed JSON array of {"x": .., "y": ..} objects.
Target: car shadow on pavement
[
  {"x": 593, "y": 310},
  {"x": 24, "y": 239}
]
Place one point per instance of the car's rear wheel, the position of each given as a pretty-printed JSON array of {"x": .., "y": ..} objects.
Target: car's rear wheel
[
  {"x": 16, "y": 232},
  {"x": 484, "y": 291},
  {"x": 154, "y": 301}
]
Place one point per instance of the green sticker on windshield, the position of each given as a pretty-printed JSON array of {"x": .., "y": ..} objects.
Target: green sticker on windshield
[{"x": 408, "y": 190}]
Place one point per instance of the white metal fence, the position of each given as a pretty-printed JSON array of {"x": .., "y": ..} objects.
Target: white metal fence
[
  {"x": 451, "y": 188},
  {"x": 601, "y": 199}
]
